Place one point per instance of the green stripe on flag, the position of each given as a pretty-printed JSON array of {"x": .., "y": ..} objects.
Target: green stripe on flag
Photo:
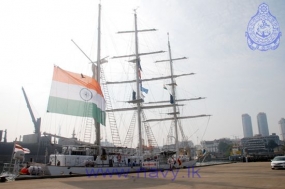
[{"x": 76, "y": 108}]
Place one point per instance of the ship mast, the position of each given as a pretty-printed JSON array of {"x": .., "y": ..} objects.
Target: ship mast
[
  {"x": 96, "y": 71},
  {"x": 174, "y": 98},
  {"x": 138, "y": 85},
  {"x": 138, "y": 80},
  {"x": 96, "y": 75}
]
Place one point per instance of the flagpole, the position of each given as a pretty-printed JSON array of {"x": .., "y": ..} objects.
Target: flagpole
[{"x": 12, "y": 154}]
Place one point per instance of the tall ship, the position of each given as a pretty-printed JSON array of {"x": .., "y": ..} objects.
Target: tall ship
[
  {"x": 99, "y": 159},
  {"x": 81, "y": 95}
]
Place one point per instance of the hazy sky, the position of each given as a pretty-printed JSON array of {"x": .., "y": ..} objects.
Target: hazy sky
[{"x": 35, "y": 35}]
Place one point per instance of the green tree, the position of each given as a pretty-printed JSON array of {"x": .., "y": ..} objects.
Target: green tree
[
  {"x": 225, "y": 148},
  {"x": 283, "y": 149},
  {"x": 271, "y": 144},
  {"x": 222, "y": 147}
]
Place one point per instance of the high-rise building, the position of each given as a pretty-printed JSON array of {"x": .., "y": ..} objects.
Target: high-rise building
[
  {"x": 282, "y": 128},
  {"x": 246, "y": 125},
  {"x": 262, "y": 124}
]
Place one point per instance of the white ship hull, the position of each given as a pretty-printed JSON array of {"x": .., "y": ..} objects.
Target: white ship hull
[
  {"x": 90, "y": 171},
  {"x": 62, "y": 170}
]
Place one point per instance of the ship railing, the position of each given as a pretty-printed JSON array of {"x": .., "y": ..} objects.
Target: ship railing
[{"x": 10, "y": 171}]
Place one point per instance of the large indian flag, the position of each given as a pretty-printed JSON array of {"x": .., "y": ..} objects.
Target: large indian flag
[{"x": 77, "y": 95}]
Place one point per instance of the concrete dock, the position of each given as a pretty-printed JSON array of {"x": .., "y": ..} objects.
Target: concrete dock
[{"x": 253, "y": 175}]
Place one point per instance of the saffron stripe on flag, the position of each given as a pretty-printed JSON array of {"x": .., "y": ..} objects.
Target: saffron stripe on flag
[{"x": 64, "y": 76}]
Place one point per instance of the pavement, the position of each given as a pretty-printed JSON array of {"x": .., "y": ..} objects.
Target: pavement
[{"x": 252, "y": 175}]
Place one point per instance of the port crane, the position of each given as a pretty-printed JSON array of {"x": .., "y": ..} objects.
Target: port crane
[{"x": 37, "y": 122}]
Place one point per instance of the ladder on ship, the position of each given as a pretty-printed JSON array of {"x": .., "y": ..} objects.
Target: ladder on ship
[
  {"x": 150, "y": 136},
  {"x": 170, "y": 133},
  {"x": 184, "y": 138},
  {"x": 130, "y": 134},
  {"x": 88, "y": 124},
  {"x": 112, "y": 121}
]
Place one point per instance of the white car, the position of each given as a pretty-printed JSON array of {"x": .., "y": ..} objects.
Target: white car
[{"x": 278, "y": 162}]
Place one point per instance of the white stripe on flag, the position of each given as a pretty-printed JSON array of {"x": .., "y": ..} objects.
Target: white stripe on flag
[{"x": 20, "y": 148}]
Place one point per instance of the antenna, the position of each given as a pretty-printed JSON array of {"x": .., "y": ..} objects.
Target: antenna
[
  {"x": 73, "y": 133},
  {"x": 135, "y": 10},
  {"x": 59, "y": 130}
]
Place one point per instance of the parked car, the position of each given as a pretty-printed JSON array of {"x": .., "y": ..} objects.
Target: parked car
[{"x": 278, "y": 162}]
